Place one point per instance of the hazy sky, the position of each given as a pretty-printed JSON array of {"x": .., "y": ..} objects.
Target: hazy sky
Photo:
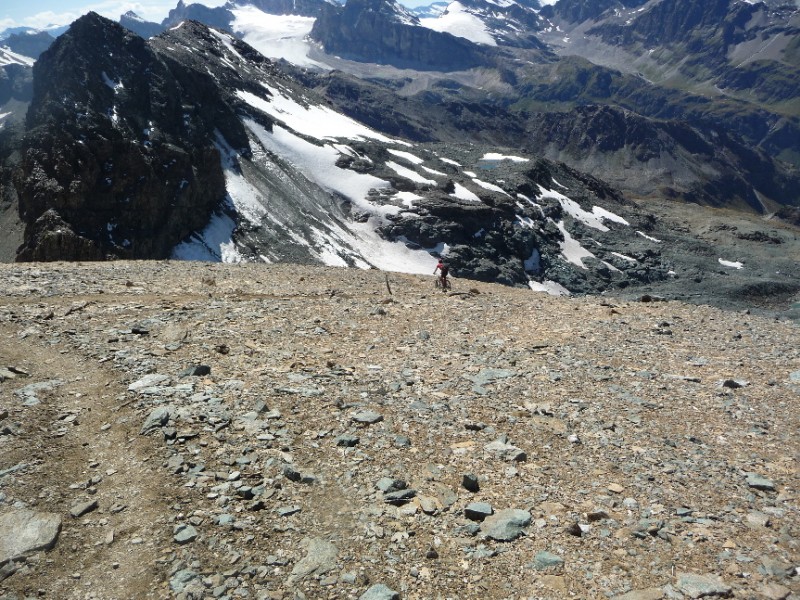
[{"x": 41, "y": 13}]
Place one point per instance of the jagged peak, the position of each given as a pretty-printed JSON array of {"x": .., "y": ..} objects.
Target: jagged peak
[{"x": 132, "y": 16}]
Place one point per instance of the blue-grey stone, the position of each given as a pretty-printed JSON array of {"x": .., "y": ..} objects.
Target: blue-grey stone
[
  {"x": 366, "y": 417},
  {"x": 320, "y": 558},
  {"x": 24, "y": 531},
  {"x": 184, "y": 534},
  {"x": 155, "y": 420},
  {"x": 179, "y": 581},
  {"x": 754, "y": 480},
  {"x": 148, "y": 381},
  {"x": 506, "y": 525},
  {"x": 702, "y": 586},
  {"x": 379, "y": 592},
  {"x": 546, "y": 560},
  {"x": 30, "y": 393},
  {"x": 478, "y": 511}
]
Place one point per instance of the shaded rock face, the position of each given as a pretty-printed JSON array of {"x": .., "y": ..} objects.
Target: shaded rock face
[
  {"x": 305, "y": 8},
  {"x": 29, "y": 44},
  {"x": 215, "y": 17},
  {"x": 381, "y": 31},
  {"x": 16, "y": 83},
  {"x": 705, "y": 165},
  {"x": 577, "y": 11},
  {"x": 113, "y": 152}
]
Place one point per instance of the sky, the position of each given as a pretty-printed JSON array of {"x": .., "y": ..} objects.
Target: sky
[{"x": 43, "y": 13}]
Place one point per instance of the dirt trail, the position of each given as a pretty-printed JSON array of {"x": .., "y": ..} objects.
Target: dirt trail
[{"x": 80, "y": 446}]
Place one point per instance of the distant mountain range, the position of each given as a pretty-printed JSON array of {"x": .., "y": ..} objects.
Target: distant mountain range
[{"x": 500, "y": 134}]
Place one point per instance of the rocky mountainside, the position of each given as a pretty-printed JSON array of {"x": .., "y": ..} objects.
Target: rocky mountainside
[
  {"x": 738, "y": 49},
  {"x": 383, "y": 32},
  {"x": 282, "y": 431},
  {"x": 270, "y": 163}
]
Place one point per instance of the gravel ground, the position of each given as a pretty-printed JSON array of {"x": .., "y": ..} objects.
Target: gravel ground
[{"x": 288, "y": 432}]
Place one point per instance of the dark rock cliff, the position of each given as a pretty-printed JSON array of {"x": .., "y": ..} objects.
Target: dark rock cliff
[
  {"x": 29, "y": 44},
  {"x": 114, "y": 163},
  {"x": 380, "y": 31},
  {"x": 214, "y": 17}
]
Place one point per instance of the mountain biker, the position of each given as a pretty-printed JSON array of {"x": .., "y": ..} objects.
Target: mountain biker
[{"x": 443, "y": 271}]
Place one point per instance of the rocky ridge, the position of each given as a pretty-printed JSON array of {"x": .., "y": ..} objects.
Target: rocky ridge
[{"x": 297, "y": 432}]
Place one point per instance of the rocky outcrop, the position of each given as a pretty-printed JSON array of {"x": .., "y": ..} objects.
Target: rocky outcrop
[
  {"x": 380, "y": 31},
  {"x": 112, "y": 150},
  {"x": 213, "y": 17}
]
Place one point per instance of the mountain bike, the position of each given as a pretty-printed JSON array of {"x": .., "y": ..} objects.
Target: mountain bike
[{"x": 447, "y": 285}]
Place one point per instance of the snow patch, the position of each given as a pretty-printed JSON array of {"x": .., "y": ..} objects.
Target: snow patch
[
  {"x": 318, "y": 163},
  {"x": 463, "y": 193},
  {"x": 489, "y": 186},
  {"x": 647, "y": 237},
  {"x": 409, "y": 174},
  {"x": 413, "y": 159},
  {"x": 731, "y": 264},
  {"x": 549, "y": 287},
  {"x": 458, "y": 21},
  {"x": 319, "y": 122},
  {"x": 494, "y": 156},
  {"x": 276, "y": 36},
  {"x": 571, "y": 249}
]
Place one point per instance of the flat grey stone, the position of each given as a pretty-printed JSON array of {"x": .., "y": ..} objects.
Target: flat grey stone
[
  {"x": 155, "y": 420},
  {"x": 388, "y": 484},
  {"x": 320, "y": 558},
  {"x": 546, "y": 560},
  {"x": 648, "y": 594},
  {"x": 754, "y": 480},
  {"x": 379, "y": 592},
  {"x": 478, "y": 511},
  {"x": 179, "y": 581},
  {"x": 366, "y": 417},
  {"x": 702, "y": 586},
  {"x": 185, "y": 534},
  {"x": 505, "y": 451},
  {"x": 30, "y": 393},
  {"x": 24, "y": 531},
  {"x": 81, "y": 508},
  {"x": 347, "y": 441},
  {"x": 506, "y": 525},
  {"x": 148, "y": 381}
]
